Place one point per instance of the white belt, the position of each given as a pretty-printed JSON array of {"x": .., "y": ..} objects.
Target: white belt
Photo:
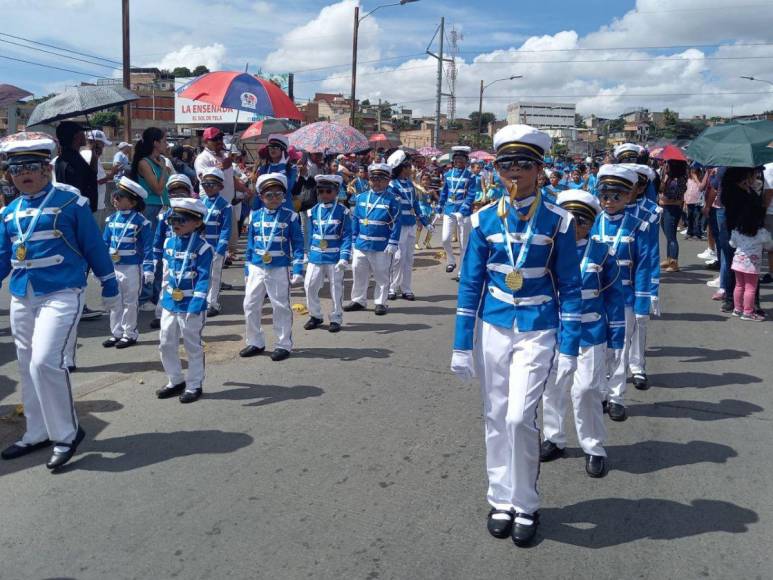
[
  {"x": 42, "y": 235},
  {"x": 372, "y": 238},
  {"x": 588, "y": 294},
  {"x": 38, "y": 263},
  {"x": 507, "y": 268},
  {"x": 187, "y": 293},
  {"x": 518, "y": 301}
]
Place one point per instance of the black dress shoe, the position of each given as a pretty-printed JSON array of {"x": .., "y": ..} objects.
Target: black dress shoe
[
  {"x": 72, "y": 368},
  {"x": 409, "y": 296},
  {"x": 250, "y": 350},
  {"x": 524, "y": 528},
  {"x": 502, "y": 526},
  {"x": 126, "y": 342},
  {"x": 549, "y": 451},
  {"x": 392, "y": 296},
  {"x": 226, "y": 286},
  {"x": 313, "y": 323},
  {"x": 595, "y": 465},
  {"x": 212, "y": 312},
  {"x": 190, "y": 396},
  {"x": 155, "y": 324},
  {"x": 279, "y": 354},
  {"x": 640, "y": 381},
  {"x": 65, "y": 451},
  {"x": 169, "y": 392},
  {"x": 353, "y": 307},
  {"x": 616, "y": 412},
  {"x": 110, "y": 342},
  {"x": 15, "y": 451},
  {"x": 604, "y": 407},
  {"x": 450, "y": 268},
  {"x": 380, "y": 310},
  {"x": 334, "y": 327}
]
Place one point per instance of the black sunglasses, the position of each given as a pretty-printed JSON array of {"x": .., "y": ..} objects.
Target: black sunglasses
[
  {"x": 522, "y": 164},
  {"x": 325, "y": 189},
  {"x": 178, "y": 220},
  {"x": 19, "y": 168},
  {"x": 210, "y": 184},
  {"x": 582, "y": 221},
  {"x": 614, "y": 196}
]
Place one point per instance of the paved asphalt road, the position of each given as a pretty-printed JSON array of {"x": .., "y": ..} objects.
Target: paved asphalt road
[{"x": 362, "y": 457}]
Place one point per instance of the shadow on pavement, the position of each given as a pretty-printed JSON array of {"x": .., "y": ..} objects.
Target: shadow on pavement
[
  {"x": 424, "y": 310},
  {"x": 692, "y": 317},
  {"x": 342, "y": 354},
  {"x": 266, "y": 394},
  {"x": 602, "y": 523},
  {"x": 694, "y": 354},
  {"x": 700, "y": 380},
  {"x": 382, "y": 328},
  {"x": 651, "y": 456},
  {"x": 436, "y": 298},
  {"x": 696, "y": 410}
]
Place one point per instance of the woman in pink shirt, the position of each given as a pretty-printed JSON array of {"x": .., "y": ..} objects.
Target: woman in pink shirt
[{"x": 694, "y": 199}]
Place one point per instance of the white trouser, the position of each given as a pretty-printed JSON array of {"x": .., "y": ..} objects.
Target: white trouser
[
  {"x": 190, "y": 326},
  {"x": 586, "y": 388},
  {"x": 618, "y": 376},
  {"x": 513, "y": 367},
  {"x": 213, "y": 296},
  {"x": 451, "y": 224},
  {"x": 123, "y": 317},
  {"x": 636, "y": 355},
  {"x": 42, "y": 327},
  {"x": 362, "y": 264},
  {"x": 315, "y": 279},
  {"x": 402, "y": 266},
  {"x": 275, "y": 282}
]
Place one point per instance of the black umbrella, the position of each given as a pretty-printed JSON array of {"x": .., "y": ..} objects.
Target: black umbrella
[{"x": 77, "y": 101}]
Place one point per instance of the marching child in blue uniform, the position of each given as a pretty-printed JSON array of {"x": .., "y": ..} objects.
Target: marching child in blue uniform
[
  {"x": 402, "y": 188},
  {"x": 48, "y": 238},
  {"x": 603, "y": 334},
  {"x": 274, "y": 249},
  {"x": 187, "y": 267},
  {"x": 376, "y": 233},
  {"x": 456, "y": 200},
  {"x": 427, "y": 194},
  {"x": 629, "y": 243},
  {"x": 129, "y": 236},
  {"x": 330, "y": 252},
  {"x": 218, "y": 230},
  {"x": 520, "y": 274}
]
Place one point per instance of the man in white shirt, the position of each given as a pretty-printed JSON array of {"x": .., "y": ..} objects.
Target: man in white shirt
[
  {"x": 121, "y": 161},
  {"x": 96, "y": 144}
]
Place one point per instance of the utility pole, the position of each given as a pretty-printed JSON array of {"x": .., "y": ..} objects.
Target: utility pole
[
  {"x": 451, "y": 72},
  {"x": 378, "y": 116},
  {"x": 440, "y": 94},
  {"x": 354, "y": 60},
  {"x": 127, "y": 113}
]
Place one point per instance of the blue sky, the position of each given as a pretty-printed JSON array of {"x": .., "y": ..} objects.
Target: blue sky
[{"x": 545, "y": 41}]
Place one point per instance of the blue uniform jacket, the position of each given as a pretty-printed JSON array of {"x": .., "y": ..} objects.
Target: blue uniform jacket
[
  {"x": 65, "y": 242},
  {"x": 457, "y": 194},
  {"x": 405, "y": 192},
  {"x": 194, "y": 281},
  {"x": 551, "y": 285},
  {"x": 163, "y": 231},
  {"x": 136, "y": 245},
  {"x": 291, "y": 172},
  {"x": 333, "y": 222},
  {"x": 373, "y": 230},
  {"x": 632, "y": 256},
  {"x": 218, "y": 223},
  {"x": 649, "y": 211},
  {"x": 285, "y": 249}
]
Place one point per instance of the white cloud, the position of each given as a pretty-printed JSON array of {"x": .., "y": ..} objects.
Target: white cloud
[
  {"x": 211, "y": 56},
  {"x": 263, "y": 8}
]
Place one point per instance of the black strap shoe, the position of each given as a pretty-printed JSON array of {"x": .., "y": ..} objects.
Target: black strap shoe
[
  {"x": 155, "y": 324},
  {"x": 450, "y": 268},
  {"x": 392, "y": 296},
  {"x": 380, "y": 310},
  {"x": 353, "y": 307},
  {"x": 169, "y": 392},
  {"x": 313, "y": 323},
  {"x": 226, "y": 286},
  {"x": 110, "y": 342},
  {"x": 595, "y": 465},
  {"x": 334, "y": 327},
  {"x": 500, "y": 523},
  {"x": 604, "y": 407},
  {"x": 616, "y": 412},
  {"x": 19, "y": 449},
  {"x": 63, "y": 452},
  {"x": 409, "y": 296},
  {"x": 190, "y": 396},
  {"x": 126, "y": 342},
  {"x": 212, "y": 312},
  {"x": 72, "y": 368},
  {"x": 640, "y": 381},
  {"x": 279, "y": 354},
  {"x": 549, "y": 451},
  {"x": 524, "y": 528},
  {"x": 250, "y": 350}
]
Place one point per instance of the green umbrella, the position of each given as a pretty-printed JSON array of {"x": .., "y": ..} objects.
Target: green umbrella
[{"x": 740, "y": 144}]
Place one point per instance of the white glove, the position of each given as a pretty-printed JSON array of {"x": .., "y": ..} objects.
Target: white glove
[
  {"x": 463, "y": 364},
  {"x": 565, "y": 366},
  {"x": 148, "y": 278},
  {"x": 391, "y": 249},
  {"x": 296, "y": 279},
  {"x": 614, "y": 356},
  {"x": 111, "y": 302},
  {"x": 341, "y": 265},
  {"x": 655, "y": 305}
]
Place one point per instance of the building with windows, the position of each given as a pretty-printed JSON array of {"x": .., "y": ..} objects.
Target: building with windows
[{"x": 541, "y": 115}]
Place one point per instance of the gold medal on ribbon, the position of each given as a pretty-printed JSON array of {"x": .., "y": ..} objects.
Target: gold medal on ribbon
[
  {"x": 266, "y": 258},
  {"x": 177, "y": 295},
  {"x": 514, "y": 280},
  {"x": 365, "y": 222},
  {"x": 323, "y": 244},
  {"x": 21, "y": 252},
  {"x": 115, "y": 257}
]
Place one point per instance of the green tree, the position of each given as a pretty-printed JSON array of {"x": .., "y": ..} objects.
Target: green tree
[
  {"x": 182, "y": 71},
  {"x": 365, "y": 103},
  {"x": 578, "y": 120},
  {"x": 486, "y": 118},
  {"x": 105, "y": 119},
  {"x": 200, "y": 70}
]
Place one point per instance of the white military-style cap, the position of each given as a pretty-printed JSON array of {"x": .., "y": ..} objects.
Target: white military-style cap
[
  {"x": 460, "y": 151},
  {"x": 640, "y": 169},
  {"x": 521, "y": 142},
  {"x": 179, "y": 179},
  {"x": 97, "y": 135},
  {"x": 215, "y": 172},
  {"x": 397, "y": 158},
  {"x": 627, "y": 152},
  {"x": 124, "y": 144},
  {"x": 279, "y": 139},
  {"x": 380, "y": 168},
  {"x": 616, "y": 177},
  {"x": 337, "y": 180},
  {"x": 132, "y": 187},
  {"x": 577, "y": 200},
  {"x": 270, "y": 180},
  {"x": 188, "y": 206},
  {"x": 28, "y": 143}
]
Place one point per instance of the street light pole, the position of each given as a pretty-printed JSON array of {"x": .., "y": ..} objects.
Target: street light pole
[{"x": 480, "y": 101}]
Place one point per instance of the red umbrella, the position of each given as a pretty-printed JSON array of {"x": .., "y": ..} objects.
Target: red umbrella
[
  {"x": 380, "y": 140},
  {"x": 266, "y": 127},
  {"x": 482, "y": 155},
  {"x": 669, "y": 153}
]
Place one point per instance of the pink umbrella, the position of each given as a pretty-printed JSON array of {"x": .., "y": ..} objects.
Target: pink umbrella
[
  {"x": 482, "y": 155},
  {"x": 430, "y": 152},
  {"x": 380, "y": 140}
]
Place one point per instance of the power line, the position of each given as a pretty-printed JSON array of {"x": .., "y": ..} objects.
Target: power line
[
  {"x": 60, "y": 48},
  {"x": 616, "y": 48},
  {"x": 77, "y": 72},
  {"x": 59, "y": 55},
  {"x": 601, "y": 61}
]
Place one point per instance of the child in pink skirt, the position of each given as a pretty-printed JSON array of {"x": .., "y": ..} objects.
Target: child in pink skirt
[{"x": 749, "y": 239}]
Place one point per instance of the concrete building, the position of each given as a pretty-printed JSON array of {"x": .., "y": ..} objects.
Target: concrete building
[{"x": 541, "y": 115}]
